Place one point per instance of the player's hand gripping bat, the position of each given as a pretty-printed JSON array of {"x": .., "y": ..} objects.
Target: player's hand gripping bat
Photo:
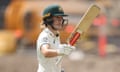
[{"x": 83, "y": 25}]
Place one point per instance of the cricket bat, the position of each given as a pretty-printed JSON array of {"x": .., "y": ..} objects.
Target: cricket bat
[{"x": 84, "y": 24}]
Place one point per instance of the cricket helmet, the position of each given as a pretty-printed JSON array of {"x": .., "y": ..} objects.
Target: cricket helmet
[
  {"x": 50, "y": 11},
  {"x": 54, "y": 10}
]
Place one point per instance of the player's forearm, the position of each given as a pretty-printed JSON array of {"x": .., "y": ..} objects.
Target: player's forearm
[
  {"x": 50, "y": 53},
  {"x": 47, "y": 52}
]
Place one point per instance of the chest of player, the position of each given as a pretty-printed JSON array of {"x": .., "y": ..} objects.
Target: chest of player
[{"x": 54, "y": 41}]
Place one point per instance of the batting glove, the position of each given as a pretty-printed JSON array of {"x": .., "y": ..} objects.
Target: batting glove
[{"x": 65, "y": 49}]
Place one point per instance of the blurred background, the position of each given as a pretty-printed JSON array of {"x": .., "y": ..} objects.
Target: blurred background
[{"x": 97, "y": 51}]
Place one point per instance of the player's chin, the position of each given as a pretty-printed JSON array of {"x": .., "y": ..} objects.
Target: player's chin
[{"x": 60, "y": 29}]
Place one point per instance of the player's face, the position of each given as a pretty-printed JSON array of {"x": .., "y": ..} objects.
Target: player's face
[{"x": 57, "y": 22}]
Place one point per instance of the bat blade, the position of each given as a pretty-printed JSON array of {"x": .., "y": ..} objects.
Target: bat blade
[{"x": 84, "y": 24}]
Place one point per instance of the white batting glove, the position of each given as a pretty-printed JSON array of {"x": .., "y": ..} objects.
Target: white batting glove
[{"x": 65, "y": 49}]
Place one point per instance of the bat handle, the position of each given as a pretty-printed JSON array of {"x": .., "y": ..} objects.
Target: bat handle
[
  {"x": 72, "y": 42},
  {"x": 74, "y": 38}
]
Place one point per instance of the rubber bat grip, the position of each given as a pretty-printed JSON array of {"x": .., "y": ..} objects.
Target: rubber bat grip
[{"x": 74, "y": 38}]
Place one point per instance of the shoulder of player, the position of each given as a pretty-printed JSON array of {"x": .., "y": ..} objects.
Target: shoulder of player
[{"x": 44, "y": 33}]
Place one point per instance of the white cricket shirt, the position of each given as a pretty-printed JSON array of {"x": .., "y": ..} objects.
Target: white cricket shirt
[{"x": 47, "y": 64}]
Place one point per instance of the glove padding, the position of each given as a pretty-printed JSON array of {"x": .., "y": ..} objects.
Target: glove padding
[{"x": 65, "y": 49}]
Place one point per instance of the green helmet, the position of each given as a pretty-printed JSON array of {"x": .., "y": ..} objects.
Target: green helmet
[
  {"x": 50, "y": 11},
  {"x": 53, "y": 10}
]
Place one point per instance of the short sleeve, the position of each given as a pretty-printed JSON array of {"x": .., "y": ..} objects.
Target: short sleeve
[{"x": 42, "y": 39}]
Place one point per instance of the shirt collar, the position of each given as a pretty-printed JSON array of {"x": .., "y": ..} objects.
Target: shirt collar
[{"x": 50, "y": 32}]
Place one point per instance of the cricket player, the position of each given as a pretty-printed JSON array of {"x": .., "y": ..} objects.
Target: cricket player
[{"x": 49, "y": 48}]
